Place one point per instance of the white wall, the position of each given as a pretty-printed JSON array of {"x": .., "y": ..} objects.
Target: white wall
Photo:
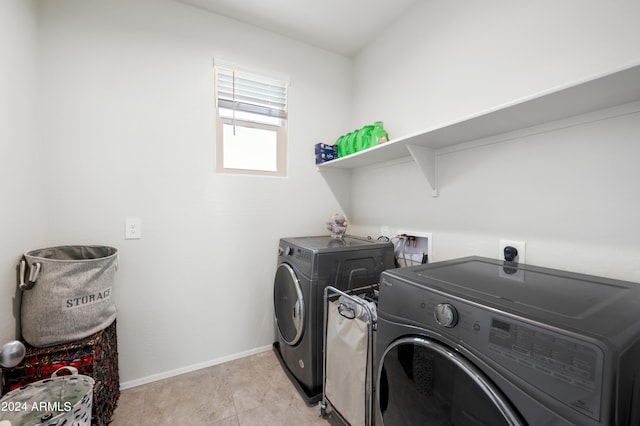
[
  {"x": 447, "y": 60},
  {"x": 575, "y": 191},
  {"x": 128, "y": 131},
  {"x": 22, "y": 214}
]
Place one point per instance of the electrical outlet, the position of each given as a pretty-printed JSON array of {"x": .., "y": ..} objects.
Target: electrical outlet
[
  {"x": 132, "y": 230},
  {"x": 518, "y": 245}
]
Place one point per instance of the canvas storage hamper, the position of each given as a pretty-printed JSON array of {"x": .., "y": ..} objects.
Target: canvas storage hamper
[{"x": 67, "y": 293}]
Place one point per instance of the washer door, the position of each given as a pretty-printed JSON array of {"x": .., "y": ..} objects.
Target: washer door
[
  {"x": 288, "y": 304},
  {"x": 424, "y": 382}
]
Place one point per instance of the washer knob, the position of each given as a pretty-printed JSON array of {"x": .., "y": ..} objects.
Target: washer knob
[
  {"x": 446, "y": 315},
  {"x": 285, "y": 251}
]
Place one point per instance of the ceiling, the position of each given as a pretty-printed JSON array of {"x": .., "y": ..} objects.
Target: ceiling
[{"x": 340, "y": 26}]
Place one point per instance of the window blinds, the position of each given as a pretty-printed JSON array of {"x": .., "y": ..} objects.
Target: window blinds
[{"x": 241, "y": 91}]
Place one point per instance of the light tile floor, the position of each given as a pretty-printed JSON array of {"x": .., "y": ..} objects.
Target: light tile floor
[{"x": 245, "y": 392}]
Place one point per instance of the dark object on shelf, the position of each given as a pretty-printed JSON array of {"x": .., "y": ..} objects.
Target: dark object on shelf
[{"x": 325, "y": 152}]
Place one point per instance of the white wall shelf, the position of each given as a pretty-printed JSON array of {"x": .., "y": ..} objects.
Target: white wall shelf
[{"x": 604, "y": 91}]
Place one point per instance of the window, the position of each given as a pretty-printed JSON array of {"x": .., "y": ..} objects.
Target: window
[{"x": 251, "y": 123}]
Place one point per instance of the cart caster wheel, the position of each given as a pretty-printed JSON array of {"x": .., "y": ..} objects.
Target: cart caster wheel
[{"x": 323, "y": 409}]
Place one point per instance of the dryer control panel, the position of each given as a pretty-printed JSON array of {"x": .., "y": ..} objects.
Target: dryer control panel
[
  {"x": 568, "y": 369},
  {"x": 563, "y": 367}
]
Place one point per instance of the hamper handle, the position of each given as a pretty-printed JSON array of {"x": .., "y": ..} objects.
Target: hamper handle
[
  {"x": 72, "y": 370},
  {"x": 346, "y": 311},
  {"x": 34, "y": 271},
  {"x": 23, "y": 267}
]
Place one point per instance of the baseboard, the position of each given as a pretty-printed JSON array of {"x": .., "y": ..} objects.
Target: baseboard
[{"x": 172, "y": 373}]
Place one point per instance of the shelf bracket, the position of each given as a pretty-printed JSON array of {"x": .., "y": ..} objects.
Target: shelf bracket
[
  {"x": 426, "y": 159},
  {"x": 339, "y": 180}
]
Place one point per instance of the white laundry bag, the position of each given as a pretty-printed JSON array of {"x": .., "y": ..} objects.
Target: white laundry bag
[{"x": 346, "y": 367}]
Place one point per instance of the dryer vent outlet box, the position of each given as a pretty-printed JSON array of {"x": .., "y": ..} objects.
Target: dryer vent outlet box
[{"x": 411, "y": 249}]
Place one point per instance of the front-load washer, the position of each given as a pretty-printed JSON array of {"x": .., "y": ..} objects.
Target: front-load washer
[
  {"x": 477, "y": 341},
  {"x": 306, "y": 265}
]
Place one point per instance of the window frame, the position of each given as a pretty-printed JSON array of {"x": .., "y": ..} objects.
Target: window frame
[
  {"x": 281, "y": 130},
  {"x": 281, "y": 146}
]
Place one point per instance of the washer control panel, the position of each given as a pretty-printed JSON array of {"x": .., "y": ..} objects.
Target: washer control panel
[{"x": 299, "y": 254}]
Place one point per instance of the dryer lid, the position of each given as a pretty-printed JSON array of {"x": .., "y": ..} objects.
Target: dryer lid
[{"x": 583, "y": 302}]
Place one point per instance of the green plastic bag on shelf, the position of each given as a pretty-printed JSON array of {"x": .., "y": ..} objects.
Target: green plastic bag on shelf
[
  {"x": 350, "y": 146},
  {"x": 340, "y": 148},
  {"x": 378, "y": 134},
  {"x": 363, "y": 139}
]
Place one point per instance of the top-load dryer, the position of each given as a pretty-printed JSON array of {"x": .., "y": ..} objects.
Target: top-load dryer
[{"x": 306, "y": 265}]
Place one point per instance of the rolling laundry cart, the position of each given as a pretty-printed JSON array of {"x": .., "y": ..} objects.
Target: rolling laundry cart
[{"x": 349, "y": 325}]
